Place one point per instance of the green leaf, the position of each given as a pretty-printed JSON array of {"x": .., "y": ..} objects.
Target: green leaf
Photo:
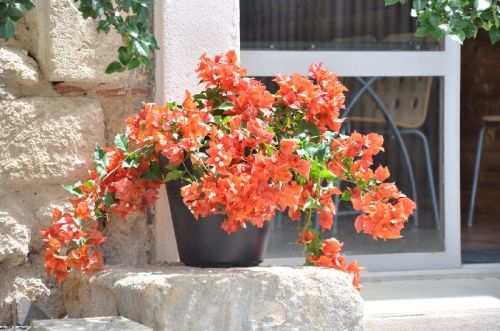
[
  {"x": 346, "y": 195},
  {"x": 114, "y": 67},
  {"x": 322, "y": 152},
  {"x": 494, "y": 34},
  {"x": 133, "y": 63},
  {"x": 481, "y": 5},
  {"x": 392, "y": 2},
  {"x": 422, "y": 31},
  {"x": 435, "y": 20},
  {"x": 173, "y": 175},
  {"x": 123, "y": 55},
  {"x": 15, "y": 13},
  {"x": 319, "y": 172},
  {"x": 459, "y": 37},
  {"x": 108, "y": 199},
  {"x": 140, "y": 48},
  {"x": 7, "y": 28},
  {"x": 316, "y": 244},
  {"x": 74, "y": 190},
  {"x": 101, "y": 161},
  {"x": 131, "y": 161},
  {"x": 154, "y": 172},
  {"x": 226, "y": 105},
  {"x": 103, "y": 26},
  {"x": 88, "y": 184},
  {"x": 311, "y": 203},
  {"x": 121, "y": 142}
]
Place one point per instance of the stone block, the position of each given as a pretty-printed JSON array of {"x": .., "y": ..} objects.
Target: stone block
[
  {"x": 46, "y": 140},
  {"x": 185, "y": 298},
  {"x": 24, "y": 281},
  {"x": 69, "y": 47},
  {"x": 112, "y": 323},
  {"x": 18, "y": 72},
  {"x": 14, "y": 241},
  {"x": 24, "y": 311}
]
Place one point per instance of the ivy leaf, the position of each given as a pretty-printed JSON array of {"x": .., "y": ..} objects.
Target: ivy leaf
[
  {"x": 121, "y": 142},
  {"x": 481, "y": 5},
  {"x": 139, "y": 48},
  {"x": 459, "y": 37},
  {"x": 133, "y": 63},
  {"x": 494, "y": 34},
  {"x": 7, "y": 28},
  {"x": 114, "y": 67},
  {"x": 392, "y": 2},
  {"x": 123, "y": 55},
  {"x": 103, "y": 26}
]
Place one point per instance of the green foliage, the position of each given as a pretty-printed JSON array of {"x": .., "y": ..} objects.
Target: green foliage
[
  {"x": 130, "y": 18},
  {"x": 459, "y": 19},
  {"x": 121, "y": 142},
  {"x": 101, "y": 161},
  {"x": 10, "y": 12}
]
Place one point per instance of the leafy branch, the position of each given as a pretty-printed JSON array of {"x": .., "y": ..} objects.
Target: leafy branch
[
  {"x": 130, "y": 18},
  {"x": 459, "y": 19},
  {"x": 138, "y": 43},
  {"x": 10, "y": 12}
]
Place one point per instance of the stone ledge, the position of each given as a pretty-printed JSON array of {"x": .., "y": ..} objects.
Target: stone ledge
[
  {"x": 185, "y": 298},
  {"x": 112, "y": 323}
]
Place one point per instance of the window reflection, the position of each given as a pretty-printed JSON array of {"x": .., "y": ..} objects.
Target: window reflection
[{"x": 329, "y": 25}]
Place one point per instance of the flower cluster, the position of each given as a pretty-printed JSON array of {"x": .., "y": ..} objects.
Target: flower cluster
[
  {"x": 116, "y": 185},
  {"x": 241, "y": 152}
]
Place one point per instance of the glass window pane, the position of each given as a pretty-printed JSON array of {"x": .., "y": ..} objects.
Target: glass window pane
[
  {"x": 415, "y": 106},
  {"x": 329, "y": 25}
]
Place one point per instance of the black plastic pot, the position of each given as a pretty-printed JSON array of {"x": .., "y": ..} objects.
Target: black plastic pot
[{"x": 203, "y": 243}]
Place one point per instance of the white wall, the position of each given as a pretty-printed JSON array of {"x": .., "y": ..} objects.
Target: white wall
[{"x": 185, "y": 30}]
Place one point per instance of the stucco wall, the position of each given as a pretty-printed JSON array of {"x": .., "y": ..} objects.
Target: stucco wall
[{"x": 56, "y": 103}]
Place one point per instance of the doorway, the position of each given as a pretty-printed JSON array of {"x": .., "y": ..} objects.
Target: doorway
[{"x": 480, "y": 96}]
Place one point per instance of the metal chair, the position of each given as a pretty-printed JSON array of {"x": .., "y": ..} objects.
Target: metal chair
[{"x": 492, "y": 121}]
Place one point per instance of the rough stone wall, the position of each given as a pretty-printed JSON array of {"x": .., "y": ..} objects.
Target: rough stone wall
[{"x": 56, "y": 103}]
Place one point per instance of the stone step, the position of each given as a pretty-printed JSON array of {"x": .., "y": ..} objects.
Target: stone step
[
  {"x": 464, "y": 299},
  {"x": 109, "y": 323},
  {"x": 186, "y": 298},
  {"x": 483, "y": 319}
]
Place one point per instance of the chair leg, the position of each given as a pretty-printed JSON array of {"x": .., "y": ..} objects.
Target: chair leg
[
  {"x": 475, "y": 178},
  {"x": 430, "y": 177}
]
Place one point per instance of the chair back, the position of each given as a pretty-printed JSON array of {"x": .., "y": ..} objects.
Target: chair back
[{"x": 406, "y": 99}]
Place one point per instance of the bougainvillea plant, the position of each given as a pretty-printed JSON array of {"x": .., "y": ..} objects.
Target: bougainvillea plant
[{"x": 242, "y": 152}]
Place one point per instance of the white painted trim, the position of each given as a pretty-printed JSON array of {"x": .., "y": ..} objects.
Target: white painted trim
[
  {"x": 444, "y": 63},
  {"x": 163, "y": 230},
  {"x": 185, "y": 30},
  {"x": 343, "y": 63}
]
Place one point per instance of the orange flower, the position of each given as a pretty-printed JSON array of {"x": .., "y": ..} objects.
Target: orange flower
[
  {"x": 382, "y": 173},
  {"x": 252, "y": 153}
]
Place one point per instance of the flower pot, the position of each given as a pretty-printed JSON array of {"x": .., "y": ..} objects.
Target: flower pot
[{"x": 203, "y": 243}]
